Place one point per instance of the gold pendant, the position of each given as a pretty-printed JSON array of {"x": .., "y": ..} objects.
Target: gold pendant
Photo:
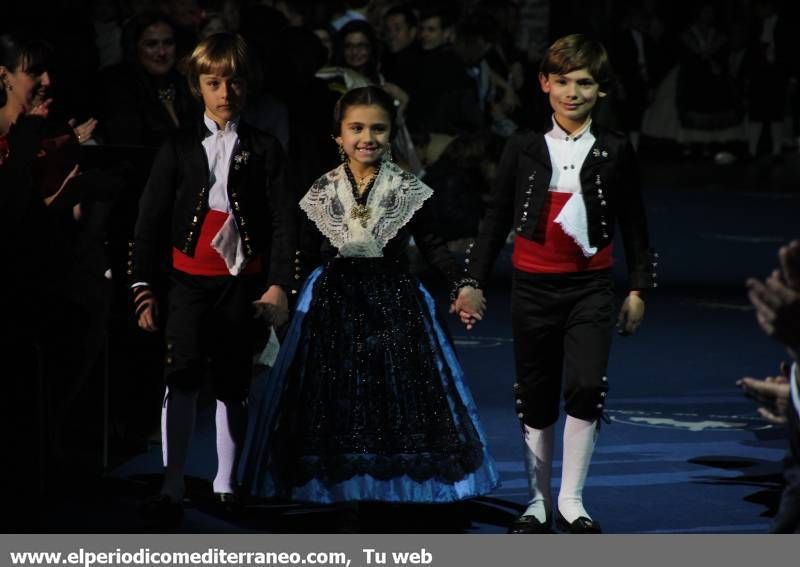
[{"x": 361, "y": 213}]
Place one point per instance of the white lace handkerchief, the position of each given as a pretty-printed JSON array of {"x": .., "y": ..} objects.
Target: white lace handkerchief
[
  {"x": 228, "y": 244},
  {"x": 574, "y": 222},
  {"x": 268, "y": 356}
]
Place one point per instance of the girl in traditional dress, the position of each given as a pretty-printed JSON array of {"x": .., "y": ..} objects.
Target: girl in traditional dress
[{"x": 367, "y": 401}]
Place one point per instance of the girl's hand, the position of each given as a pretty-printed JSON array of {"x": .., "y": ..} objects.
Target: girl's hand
[{"x": 631, "y": 314}]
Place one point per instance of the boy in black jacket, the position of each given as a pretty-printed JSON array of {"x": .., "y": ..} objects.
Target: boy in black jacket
[
  {"x": 218, "y": 191},
  {"x": 563, "y": 192}
]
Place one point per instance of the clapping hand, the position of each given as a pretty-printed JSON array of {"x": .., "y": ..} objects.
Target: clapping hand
[
  {"x": 777, "y": 299},
  {"x": 771, "y": 394},
  {"x": 83, "y": 132},
  {"x": 42, "y": 109}
]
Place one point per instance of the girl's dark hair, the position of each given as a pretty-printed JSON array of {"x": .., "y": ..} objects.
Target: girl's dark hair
[
  {"x": 364, "y": 96},
  {"x": 134, "y": 28},
  {"x": 358, "y": 26},
  {"x": 28, "y": 54}
]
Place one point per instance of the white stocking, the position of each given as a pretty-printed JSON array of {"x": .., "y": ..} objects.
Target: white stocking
[
  {"x": 539, "y": 463},
  {"x": 579, "y": 439},
  {"x": 231, "y": 420}
]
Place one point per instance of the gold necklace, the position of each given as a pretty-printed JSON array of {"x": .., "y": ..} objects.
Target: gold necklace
[
  {"x": 361, "y": 183},
  {"x": 360, "y": 211}
]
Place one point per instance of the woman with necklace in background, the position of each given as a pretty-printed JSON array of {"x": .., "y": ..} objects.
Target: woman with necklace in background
[{"x": 146, "y": 97}]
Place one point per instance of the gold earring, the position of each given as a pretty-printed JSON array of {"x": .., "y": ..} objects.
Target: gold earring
[{"x": 342, "y": 155}]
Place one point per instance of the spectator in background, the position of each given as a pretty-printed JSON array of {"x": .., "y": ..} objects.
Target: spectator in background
[
  {"x": 358, "y": 50},
  {"x": 503, "y": 57},
  {"x": 777, "y": 303},
  {"x": 436, "y": 27},
  {"x": 33, "y": 284},
  {"x": 145, "y": 97},
  {"x": 326, "y": 38},
  {"x": 144, "y": 100},
  {"x": 401, "y": 57},
  {"x": 630, "y": 50},
  {"x": 443, "y": 97},
  {"x": 106, "y": 18},
  {"x": 354, "y": 10},
  {"x": 186, "y": 17},
  {"x": 309, "y": 102},
  {"x": 768, "y": 81},
  {"x": 707, "y": 121},
  {"x": 295, "y": 11},
  {"x": 460, "y": 178},
  {"x": 213, "y": 22}
]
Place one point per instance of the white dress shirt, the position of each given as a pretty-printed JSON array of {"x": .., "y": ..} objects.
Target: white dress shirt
[
  {"x": 219, "y": 146},
  {"x": 567, "y": 154}
]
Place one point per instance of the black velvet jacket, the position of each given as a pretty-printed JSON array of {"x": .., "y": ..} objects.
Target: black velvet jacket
[
  {"x": 611, "y": 191},
  {"x": 175, "y": 202}
]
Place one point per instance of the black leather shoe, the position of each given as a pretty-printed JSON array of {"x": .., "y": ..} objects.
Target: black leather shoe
[
  {"x": 529, "y": 525},
  {"x": 228, "y": 501},
  {"x": 582, "y": 525},
  {"x": 160, "y": 512}
]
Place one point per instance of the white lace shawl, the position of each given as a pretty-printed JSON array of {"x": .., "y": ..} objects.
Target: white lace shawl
[{"x": 392, "y": 201}]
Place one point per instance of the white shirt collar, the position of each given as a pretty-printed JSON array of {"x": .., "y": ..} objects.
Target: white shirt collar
[
  {"x": 559, "y": 133},
  {"x": 231, "y": 127}
]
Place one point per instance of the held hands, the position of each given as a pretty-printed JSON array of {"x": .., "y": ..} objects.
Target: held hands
[
  {"x": 273, "y": 306},
  {"x": 631, "y": 314},
  {"x": 771, "y": 394},
  {"x": 470, "y": 306},
  {"x": 144, "y": 301}
]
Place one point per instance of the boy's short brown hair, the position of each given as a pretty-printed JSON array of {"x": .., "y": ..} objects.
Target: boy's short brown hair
[
  {"x": 576, "y": 51},
  {"x": 223, "y": 54}
]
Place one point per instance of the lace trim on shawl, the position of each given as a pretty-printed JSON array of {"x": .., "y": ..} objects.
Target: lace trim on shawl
[{"x": 392, "y": 202}]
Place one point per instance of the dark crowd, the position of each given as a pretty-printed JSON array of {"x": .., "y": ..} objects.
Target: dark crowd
[{"x": 716, "y": 81}]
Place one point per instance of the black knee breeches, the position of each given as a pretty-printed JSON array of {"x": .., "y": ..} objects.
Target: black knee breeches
[{"x": 562, "y": 327}]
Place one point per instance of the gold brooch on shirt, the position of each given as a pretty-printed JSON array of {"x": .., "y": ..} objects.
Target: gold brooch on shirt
[
  {"x": 240, "y": 159},
  {"x": 361, "y": 213}
]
